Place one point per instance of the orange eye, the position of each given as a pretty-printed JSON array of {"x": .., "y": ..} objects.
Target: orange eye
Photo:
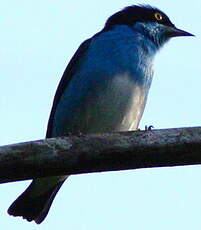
[{"x": 158, "y": 16}]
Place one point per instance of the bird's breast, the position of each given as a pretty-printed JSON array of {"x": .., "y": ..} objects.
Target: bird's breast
[{"x": 108, "y": 92}]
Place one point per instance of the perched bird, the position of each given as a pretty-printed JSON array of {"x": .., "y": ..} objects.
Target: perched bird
[{"x": 103, "y": 89}]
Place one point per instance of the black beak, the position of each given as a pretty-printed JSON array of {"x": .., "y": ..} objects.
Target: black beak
[{"x": 175, "y": 32}]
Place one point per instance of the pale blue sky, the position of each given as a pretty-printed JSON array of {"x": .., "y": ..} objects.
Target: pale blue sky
[{"x": 38, "y": 38}]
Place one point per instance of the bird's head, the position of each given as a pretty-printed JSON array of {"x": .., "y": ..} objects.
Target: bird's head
[{"x": 149, "y": 21}]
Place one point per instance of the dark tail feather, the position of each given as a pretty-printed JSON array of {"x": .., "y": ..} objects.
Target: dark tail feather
[{"x": 34, "y": 208}]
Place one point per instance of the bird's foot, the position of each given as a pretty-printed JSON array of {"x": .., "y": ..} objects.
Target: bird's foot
[{"x": 149, "y": 128}]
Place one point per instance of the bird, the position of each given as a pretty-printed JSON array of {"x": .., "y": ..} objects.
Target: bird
[{"x": 104, "y": 88}]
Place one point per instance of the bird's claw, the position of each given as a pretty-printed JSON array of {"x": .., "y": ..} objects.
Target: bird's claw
[{"x": 149, "y": 128}]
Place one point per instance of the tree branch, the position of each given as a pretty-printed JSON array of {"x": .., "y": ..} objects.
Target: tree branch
[{"x": 100, "y": 152}]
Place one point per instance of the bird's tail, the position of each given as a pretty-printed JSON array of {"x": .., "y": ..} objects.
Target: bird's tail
[{"x": 33, "y": 207}]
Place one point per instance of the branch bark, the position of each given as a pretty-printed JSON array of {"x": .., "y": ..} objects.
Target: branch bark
[{"x": 100, "y": 152}]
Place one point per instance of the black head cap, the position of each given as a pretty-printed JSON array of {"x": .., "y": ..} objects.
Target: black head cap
[{"x": 137, "y": 13}]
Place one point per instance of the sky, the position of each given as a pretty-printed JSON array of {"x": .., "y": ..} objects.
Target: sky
[{"x": 38, "y": 38}]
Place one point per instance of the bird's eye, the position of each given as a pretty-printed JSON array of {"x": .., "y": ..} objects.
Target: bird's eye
[{"x": 158, "y": 16}]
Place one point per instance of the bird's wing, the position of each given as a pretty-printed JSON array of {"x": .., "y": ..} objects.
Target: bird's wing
[{"x": 67, "y": 76}]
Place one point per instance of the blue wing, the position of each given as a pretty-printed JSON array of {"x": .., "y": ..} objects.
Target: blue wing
[{"x": 67, "y": 76}]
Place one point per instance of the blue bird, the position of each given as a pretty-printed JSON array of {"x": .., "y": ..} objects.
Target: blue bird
[{"x": 103, "y": 89}]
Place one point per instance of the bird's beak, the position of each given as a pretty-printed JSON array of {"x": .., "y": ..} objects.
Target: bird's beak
[{"x": 175, "y": 32}]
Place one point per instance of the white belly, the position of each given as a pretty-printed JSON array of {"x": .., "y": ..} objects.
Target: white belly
[{"x": 118, "y": 106}]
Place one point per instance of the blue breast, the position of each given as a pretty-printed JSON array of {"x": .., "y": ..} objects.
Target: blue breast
[{"x": 109, "y": 89}]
